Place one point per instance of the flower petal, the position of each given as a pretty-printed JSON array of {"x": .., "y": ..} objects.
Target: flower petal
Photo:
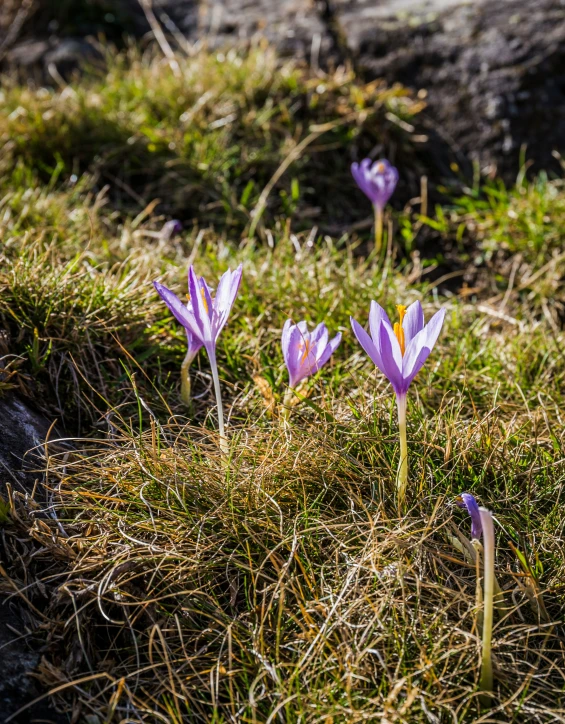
[
  {"x": 377, "y": 315},
  {"x": 228, "y": 286},
  {"x": 181, "y": 312},
  {"x": 367, "y": 343},
  {"x": 318, "y": 332},
  {"x": 285, "y": 339},
  {"x": 330, "y": 348},
  {"x": 297, "y": 370},
  {"x": 360, "y": 174},
  {"x": 199, "y": 302},
  {"x": 413, "y": 322},
  {"x": 468, "y": 501},
  {"x": 392, "y": 358},
  {"x": 194, "y": 344},
  {"x": 413, "y": 354},
  {"x": 319, "y": 340},
  {"x": 421, "y": 346},
  {"x": 433, "y": 328}
]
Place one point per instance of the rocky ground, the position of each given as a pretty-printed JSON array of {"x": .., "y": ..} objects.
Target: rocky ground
[{"x": 22, "y": 432}]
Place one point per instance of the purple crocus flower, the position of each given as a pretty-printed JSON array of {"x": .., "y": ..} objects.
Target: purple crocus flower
[
  {"x": 399, "y": 352},
  {"x": 466, "y": 500},
  {"x": 306, "y": 352},
  {"x": 170, "y": 229},
  {"x": 194, "y": 343},
  {"x": 204, "y": 318},
  {"x": 376, "y": 180}
]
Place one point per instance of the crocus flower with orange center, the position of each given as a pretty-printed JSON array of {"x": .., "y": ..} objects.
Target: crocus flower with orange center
[
  {"x": 204, "y": 318},
  {"x": 400, "y": 352},
  {"x": 305, "y": 352}
]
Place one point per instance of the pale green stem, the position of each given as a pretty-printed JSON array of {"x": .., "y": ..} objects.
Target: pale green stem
[
  {"x": 378, "y": 231},
  {"x": 402, "y": 477},
  {"x": 185, "y": 388},
  {"x": 224, "y": 447},
  {"x": 288, "y": 395},
  {"x": 488, "y": 597},
  {"x": 499, "y": 601}
]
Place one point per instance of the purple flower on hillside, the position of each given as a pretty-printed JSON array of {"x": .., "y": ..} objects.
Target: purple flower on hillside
[
  {"x": 466, "y": 500},
  {"x": 170, "y": 229},
  {"x": 399, "y": 351},
  {"x": 194, "y": 343},
  {"x": 376, "y": 180},
  {"x": 203, "y": 316},
  {"x": 306, "y": 352}
]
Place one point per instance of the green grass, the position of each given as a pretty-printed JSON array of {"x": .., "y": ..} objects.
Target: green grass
[
  {"x": 282, "y": 584},
  {"x": 207, "y": 144}
]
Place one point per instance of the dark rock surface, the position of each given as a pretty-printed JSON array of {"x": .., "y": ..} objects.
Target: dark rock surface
[
  {"x": 493, "y": 72},
  {"x": 21, "y": 432}
]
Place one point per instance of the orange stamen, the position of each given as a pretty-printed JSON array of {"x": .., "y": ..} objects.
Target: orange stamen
[
  {"x": 203, "y": 298},
  {"x": 306, "y": 344},
  {"x": 398, "y": 331}
]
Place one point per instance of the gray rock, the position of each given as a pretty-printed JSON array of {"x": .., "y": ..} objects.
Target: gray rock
[
  {"x": 492, "y": 71},
  {"x": 51, "y": 59},
  {"x": 22, "y": 433}
]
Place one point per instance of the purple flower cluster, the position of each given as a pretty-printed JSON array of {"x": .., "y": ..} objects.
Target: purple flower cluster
[{"x": 398, "y": 350}]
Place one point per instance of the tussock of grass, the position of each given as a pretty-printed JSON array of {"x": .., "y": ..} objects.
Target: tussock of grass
[
  {"x": 283, "y": 584},
  {"x": 280, "y": 582}
]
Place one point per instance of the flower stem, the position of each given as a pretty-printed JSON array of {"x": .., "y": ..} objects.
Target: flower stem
[
  {"x": 402, "y": 477},
  {"x": 378, "y": 231},
  {"x": 185, "y": 388},
  {"x": 288, "y": 395},
  {"x": 224, "y": 447},
  {"x": 488, "y": 596}
]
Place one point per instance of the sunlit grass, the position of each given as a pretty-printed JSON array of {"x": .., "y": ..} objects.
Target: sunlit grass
[{"x": 281, "y": 584}]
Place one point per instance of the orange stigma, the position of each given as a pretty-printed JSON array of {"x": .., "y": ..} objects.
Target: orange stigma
[
  {"x": 398, "y": 331},
  {"x": 306, "y": 344},
  {"x": 380, "y": 167}
]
